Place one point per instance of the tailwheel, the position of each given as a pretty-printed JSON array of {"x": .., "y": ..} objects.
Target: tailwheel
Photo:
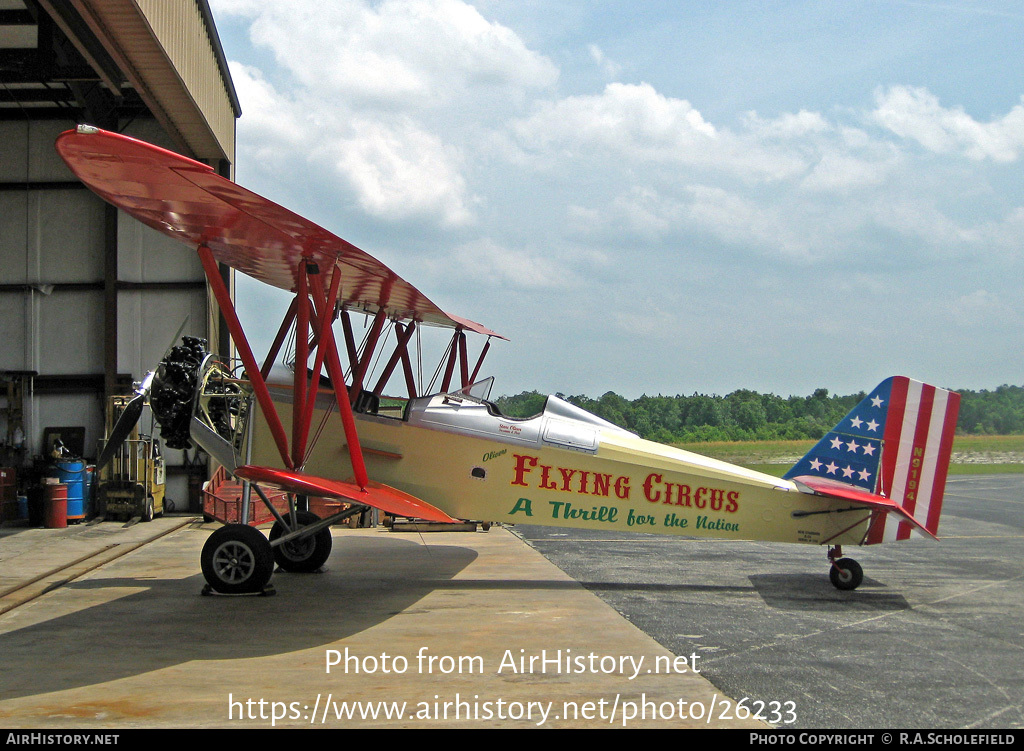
[
  {"x": 237, "y": 559},
  {"x": 302, "y": 555},
  {"x": 846, "y": 574}
]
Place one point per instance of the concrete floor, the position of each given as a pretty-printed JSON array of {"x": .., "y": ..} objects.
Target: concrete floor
[{"x": 104, "y": 627}]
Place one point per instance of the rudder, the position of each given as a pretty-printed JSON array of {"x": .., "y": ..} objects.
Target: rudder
[{"x": 896, "y": 443}]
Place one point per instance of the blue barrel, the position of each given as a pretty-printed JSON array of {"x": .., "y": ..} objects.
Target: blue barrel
[{"x": 72, "y": 474}]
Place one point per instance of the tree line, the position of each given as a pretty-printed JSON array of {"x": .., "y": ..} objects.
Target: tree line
[{"x": 747, "y": 415}]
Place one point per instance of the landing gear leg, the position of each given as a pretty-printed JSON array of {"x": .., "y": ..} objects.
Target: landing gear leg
[
  {"x": 303, "y": 555},
  {"x": 845, "y": 573}
]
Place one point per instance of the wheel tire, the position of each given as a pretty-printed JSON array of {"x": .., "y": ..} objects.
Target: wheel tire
[
  {"x": 846, "y": 574},
  {"x": 302, "y": 556},
  {"x": 147, "y": 509},
  {"x": 237, "y": 559}
]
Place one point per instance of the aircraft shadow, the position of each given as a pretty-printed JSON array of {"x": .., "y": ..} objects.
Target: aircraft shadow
[
  {"x": 168, "y": 622},
  {"x": 806, "y": 592},
  {"x": 813, "y": 592}
]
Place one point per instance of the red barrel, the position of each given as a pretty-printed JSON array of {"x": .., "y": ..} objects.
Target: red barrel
[{"x": 56, "y": 506}]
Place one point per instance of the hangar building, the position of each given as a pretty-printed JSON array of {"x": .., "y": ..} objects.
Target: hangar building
[{"x": 89, "y": 297}]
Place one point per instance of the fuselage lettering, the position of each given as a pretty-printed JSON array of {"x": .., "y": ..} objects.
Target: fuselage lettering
[{"x": 528, "y": 471}]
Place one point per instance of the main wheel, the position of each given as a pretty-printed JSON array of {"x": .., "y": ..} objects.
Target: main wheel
[
  {"x": 302, "y": 555},
  {"x": 147, "y": 509},
  {"x": 846, "y": 573},
  {"x": 237, "y": 559}
]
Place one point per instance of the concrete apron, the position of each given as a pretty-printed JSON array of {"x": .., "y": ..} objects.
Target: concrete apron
[{"x": 438, "y": 624}]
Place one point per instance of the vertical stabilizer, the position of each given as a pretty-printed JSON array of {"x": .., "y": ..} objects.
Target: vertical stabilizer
[{"x": 896, "y": 443}]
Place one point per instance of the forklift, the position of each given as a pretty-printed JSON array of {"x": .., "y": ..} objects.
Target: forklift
[{"x": 132, "y": 484}]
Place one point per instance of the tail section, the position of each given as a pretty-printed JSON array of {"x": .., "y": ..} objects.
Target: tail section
[{"x": 896, "y": 443}]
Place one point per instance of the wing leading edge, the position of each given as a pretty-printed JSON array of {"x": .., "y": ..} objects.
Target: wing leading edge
[{"x": 188, "y": 201}]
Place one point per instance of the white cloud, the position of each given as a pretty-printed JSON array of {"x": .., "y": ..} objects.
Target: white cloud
[
  {"x": 982, "y": 308},
  {"x": 517, "y": 268},
  {"x": 739, "y": 220},
  {"x": 393, "y": 169},
  {"x": 786, "y": 125},
  {"x": 919, "y": 219},
  {"x": 624, "y": 116},
  {"x": 398, "y": 53},
  {"x": 915, "y": 113},
  {"x": 488, "y": 265},
  {"x": 270, "y": 118},
  {"x": 610, "y": 68},
  {"x": 399, "y": 171},
  {"x": 638, "y": 123},
  {"x": 838, "y": 171}
]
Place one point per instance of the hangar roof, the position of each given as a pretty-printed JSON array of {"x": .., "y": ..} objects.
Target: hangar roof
[{"x": 102, "y": 60}]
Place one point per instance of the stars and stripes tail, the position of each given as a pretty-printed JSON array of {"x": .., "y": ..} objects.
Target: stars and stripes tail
[{"x": 895, "y": 443}]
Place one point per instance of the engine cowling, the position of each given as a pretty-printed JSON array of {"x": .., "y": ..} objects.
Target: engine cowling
[{"x": 196, "y": 399}]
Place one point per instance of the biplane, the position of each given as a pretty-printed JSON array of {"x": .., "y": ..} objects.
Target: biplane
[{"x": 321, "y": 425}]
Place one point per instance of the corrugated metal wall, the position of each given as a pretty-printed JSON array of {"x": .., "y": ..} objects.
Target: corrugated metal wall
[
  {"x": 56, "y": 268},
  {"x": 181, "y": 31},
  {"x": 51, "y": 276}
]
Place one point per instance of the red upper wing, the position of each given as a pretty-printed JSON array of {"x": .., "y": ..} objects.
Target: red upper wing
[{"x": 188, "y": 201}]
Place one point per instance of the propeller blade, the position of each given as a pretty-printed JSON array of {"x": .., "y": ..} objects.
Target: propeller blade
[
  {"x": 122, "y": 428},
  {"x": 132, "y": 411}
]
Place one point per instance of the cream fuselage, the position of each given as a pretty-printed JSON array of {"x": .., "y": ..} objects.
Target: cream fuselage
[{"x": 557, "y": 470}]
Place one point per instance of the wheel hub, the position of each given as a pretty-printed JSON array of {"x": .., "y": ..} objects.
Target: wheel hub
[{"x": 234, "y": 561}]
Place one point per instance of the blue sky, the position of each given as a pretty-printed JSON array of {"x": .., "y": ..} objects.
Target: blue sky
[{"x": 662, "y": 197}]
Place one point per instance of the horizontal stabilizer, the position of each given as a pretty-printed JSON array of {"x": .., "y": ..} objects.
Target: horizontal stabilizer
[
  {"x": 376, "y": 494},
  {"x": 836, "y": 489}
]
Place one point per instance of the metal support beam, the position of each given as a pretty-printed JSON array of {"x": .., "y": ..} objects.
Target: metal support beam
[
  {"x": 348, "y": 421},
  {"x": 463, "y": 359},
  {"x": 480, "y": 360},
  {"x": 109, "y": 302},
  {"x": 368, "y": 350},
  {"x": 410, "y": 379},
  {"x": 453, "y": 351},
  {"x": 323, "y": 321},
  {"x": 301, "y": 361},
  {"x": 350, "y": 340}
]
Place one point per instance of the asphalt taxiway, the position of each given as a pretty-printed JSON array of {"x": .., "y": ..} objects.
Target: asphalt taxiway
[{"x": 933, "y": 638}]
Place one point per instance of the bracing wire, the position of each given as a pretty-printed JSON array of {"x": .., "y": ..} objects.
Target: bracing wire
[{"x": 441, "y": 363}]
